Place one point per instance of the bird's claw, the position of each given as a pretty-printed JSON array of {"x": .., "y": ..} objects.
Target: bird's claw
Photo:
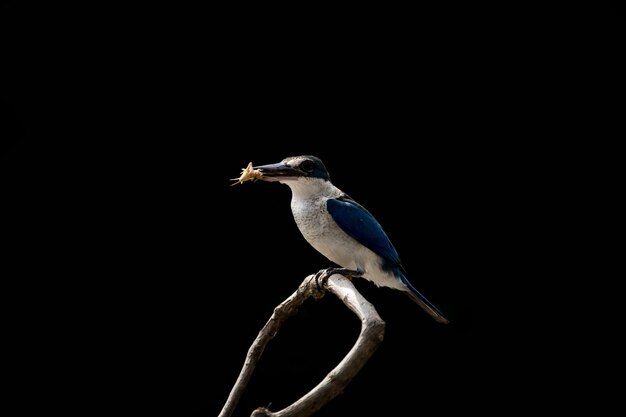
[
  {"x": 321, "y": 275},
  {"x": 324, "y": 274}
]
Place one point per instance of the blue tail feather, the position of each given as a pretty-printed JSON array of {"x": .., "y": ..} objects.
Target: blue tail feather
[{"x": 423, "y": 302}]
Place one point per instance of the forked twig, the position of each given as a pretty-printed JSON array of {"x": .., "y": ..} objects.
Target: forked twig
[{"x": 370, "y": 337}]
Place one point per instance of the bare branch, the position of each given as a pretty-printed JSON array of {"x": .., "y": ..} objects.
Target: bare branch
[
  {"x": 281, "y": 313},
  {"x": 372, "y": 332}
]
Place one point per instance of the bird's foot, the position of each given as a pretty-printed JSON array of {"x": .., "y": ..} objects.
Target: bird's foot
[{"x": 324, "y": 274}]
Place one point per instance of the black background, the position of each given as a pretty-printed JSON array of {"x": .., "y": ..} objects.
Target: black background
[{"x": 139, "y": 277}]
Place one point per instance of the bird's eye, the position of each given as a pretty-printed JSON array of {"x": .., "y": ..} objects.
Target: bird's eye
[{"x": 307, "y": 166}]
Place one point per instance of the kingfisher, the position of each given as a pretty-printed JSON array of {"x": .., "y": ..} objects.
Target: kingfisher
[{"x": 340, "y": 228}]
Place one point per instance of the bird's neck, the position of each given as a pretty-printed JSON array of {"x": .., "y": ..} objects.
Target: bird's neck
[{"x": 312, "y": 188}]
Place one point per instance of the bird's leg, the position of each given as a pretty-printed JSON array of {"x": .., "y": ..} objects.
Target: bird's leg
[
  {"x": 324, "y": 274},
  {"x": 348, "y": 273}
]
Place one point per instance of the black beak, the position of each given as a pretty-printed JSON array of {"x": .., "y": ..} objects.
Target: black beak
[{"x": 278, "y": 172}]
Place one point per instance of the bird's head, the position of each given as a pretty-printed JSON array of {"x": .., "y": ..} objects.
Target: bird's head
[{"x": 294, "y": 169}]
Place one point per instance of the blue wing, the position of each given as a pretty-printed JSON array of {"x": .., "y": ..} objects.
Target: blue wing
[{"x": 357, "y": 222}]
